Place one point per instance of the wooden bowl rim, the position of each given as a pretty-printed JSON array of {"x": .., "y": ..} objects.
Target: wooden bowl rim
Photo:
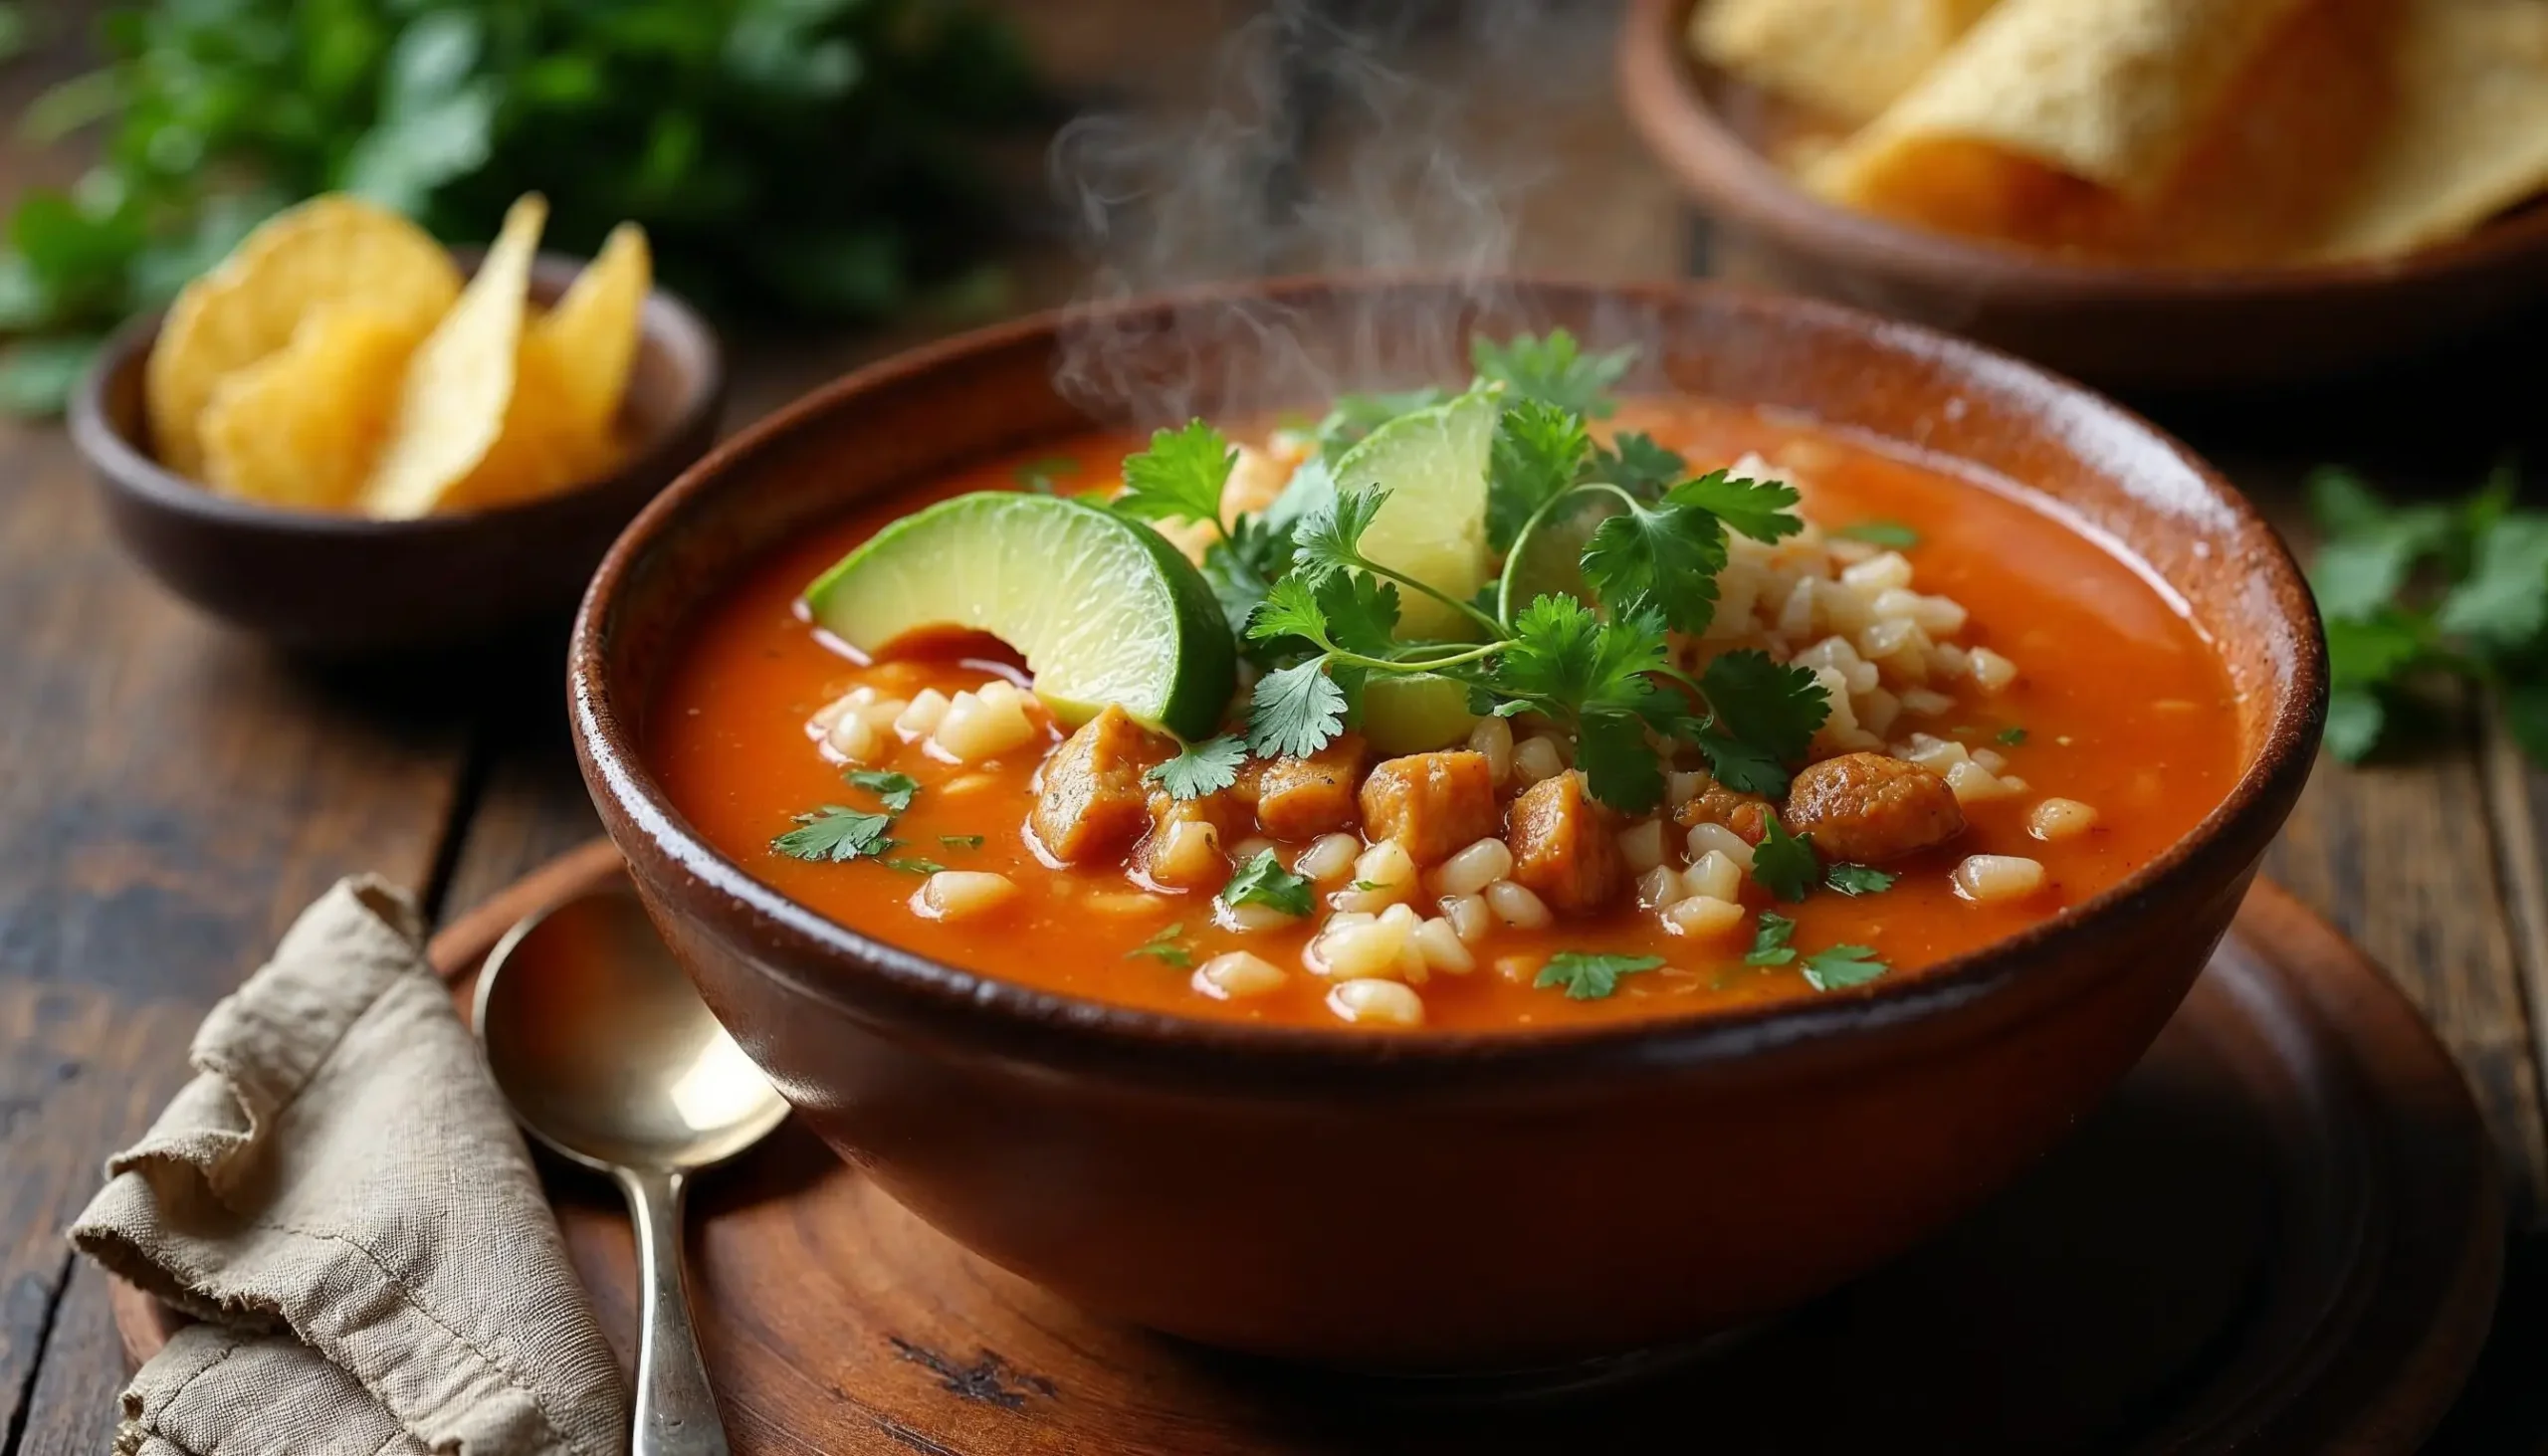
[
  {"x": 982, "y": 1007},
  {"x": 1658, "y": 82},
  {"x": 666, "y": 323}
]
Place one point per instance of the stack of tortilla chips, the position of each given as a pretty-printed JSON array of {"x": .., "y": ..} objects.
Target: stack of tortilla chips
[{"x": 2192, "y": 132}]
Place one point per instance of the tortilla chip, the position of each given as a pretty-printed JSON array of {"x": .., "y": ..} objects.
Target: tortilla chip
[
  {"x": 2470, "y": 134},
  {"x": 2045, "y": 97},
  {"x": 1847, "y": 59},
  {"x": 302, "y": 426}
]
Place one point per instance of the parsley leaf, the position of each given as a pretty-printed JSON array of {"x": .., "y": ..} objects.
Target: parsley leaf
[
  {"x": 1164, "y": 947},
  {"x": 1843, "y": 966},
  {"x": 1201, "y": 769},
  {"x": 1264, "y": 881},
  {"x": 1588, "y": 977},
  {"x": 1635, "y": 463},
  {"x": 1662, "y": 559},
  {"x": 1880, "y": 533},
  {"x": 1859, "y": 878},
  {"x": 897, "y": 790},
  {"x": 1538, "y": 451},
  {"x": 1295, "y": 712},
  {"x": 914, "y": 865},
  {"x": 960, "y": 841},
  {"x": 1784, "y": 863},
  {"x": 1180, "y": 478},
  {"x": 1762, "y": 510},
  {"x": 1770, "y": 943},
  {"x": 835, "y": 834},
  {"x": 1553, "y": 370}
]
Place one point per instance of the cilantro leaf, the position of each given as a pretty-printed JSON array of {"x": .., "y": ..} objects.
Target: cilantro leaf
[
  {"x": 1741, "y": 766},
  {"x": 897, "y": 790},
  {"x": 2364, "y": 651},
  {"x": 1634, "y": 462},
  {"x": 1859, "y": 878},
  {"x": 1330, "y": 540},
  {"x": 836, "y": 834},
  {"x": 2355, "y": 718},
  {"x": 1553, "y": 370},
  {"x": 1289, "y": 610},
  {"x": 1892, "y": 534},
  {"x": 1361, "y": 613},
  {"x": 1770, "y": 943},
  {"x": 1557, "y": 648},
  {"x": 2372, "y": 546},
  {"x": 1240, "y": 567},
  {"x": 914, "y": 865},
  {"x": 961, "y": 841},
  {"x": 1295, "y": 712},
  {"x": 2503, "y": 602},
  {"x": 1771, "y": 712},
  {"x": 1164, "y": 947},
  {"x": 1843, "y": 966},
  {"x": 1263, "y": 881},
  {"x": 1762, "y": 510},
  {"x": 1658, "y": 560},
  {"x": 1590, "y": 977},
  {"x": 1619, "y": 768},
  {"x": 1201, "y": 769},
  {"x": 1784, "y": 863},
  {"x": 1538, "y": 451},
  {"x": 1180, "y": 478},
  {"x": 1566, "y": 661}
]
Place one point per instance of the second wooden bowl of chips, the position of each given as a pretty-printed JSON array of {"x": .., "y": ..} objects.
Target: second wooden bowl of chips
[
  {"x": 267, "y": 536},
  {"x": 2184, "y": 300}
]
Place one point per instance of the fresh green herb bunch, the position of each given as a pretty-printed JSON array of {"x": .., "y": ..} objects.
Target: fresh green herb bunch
[
  {"x": 1319, "y": 618},
  {"x": 2424, "y": 594},
  {"x": 810, "y": 155}
]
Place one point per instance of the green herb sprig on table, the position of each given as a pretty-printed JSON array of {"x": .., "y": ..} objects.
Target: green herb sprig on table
[
  {"x": 2417, "y": 595},
  {"x": 1320, "y": 617},
  {"x": 804, "y": 156}
]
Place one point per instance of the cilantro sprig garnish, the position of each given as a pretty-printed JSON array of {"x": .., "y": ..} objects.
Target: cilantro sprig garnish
[
  {"x": 2427, "y": 593},
  {"x": 1590, "y": 977},
  {"x": 1263, "y": 881},
  {"x": 837, "y": 834},
  {"x": 1320, "y": 617},
  {"x": 1832, "y": 968}
]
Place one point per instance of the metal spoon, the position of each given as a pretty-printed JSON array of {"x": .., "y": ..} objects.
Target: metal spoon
[{"x": 609, "y": 1057}]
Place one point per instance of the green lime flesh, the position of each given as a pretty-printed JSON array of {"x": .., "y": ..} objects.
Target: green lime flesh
[
  {"x": 1413, "y": 712},
  {"x": 1103, "y": 609},
  {"x": 1432, "y": 527}
]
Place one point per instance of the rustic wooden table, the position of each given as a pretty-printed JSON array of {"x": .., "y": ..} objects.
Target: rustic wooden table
[{"x": 170, "y": 795}]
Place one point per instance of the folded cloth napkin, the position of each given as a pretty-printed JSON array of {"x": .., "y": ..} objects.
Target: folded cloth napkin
[{"x": 339, "y": 1198}]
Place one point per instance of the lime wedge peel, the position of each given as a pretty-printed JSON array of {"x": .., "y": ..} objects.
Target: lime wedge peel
[{"x": 1103, "y": 609}]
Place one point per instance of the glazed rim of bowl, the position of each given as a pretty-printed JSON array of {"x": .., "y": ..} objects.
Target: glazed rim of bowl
[
  {"x": 1044, "y": 1023},
  {"x": 664, "y": 317},
  {"x": 1680, "y": 123}
]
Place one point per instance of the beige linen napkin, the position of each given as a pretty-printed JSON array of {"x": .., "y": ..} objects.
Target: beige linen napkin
[{"x": 340, "y": 1197}]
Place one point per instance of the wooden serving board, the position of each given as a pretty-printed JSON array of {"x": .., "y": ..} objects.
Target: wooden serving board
[{"x": 2281, "y": 1234}]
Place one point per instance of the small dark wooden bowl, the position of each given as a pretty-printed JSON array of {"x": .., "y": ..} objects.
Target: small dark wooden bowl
[
  {"x": 1443, "y": 1200},
  {"x": 2115, "y": 325},
  {"x": 340, "y": 584}
]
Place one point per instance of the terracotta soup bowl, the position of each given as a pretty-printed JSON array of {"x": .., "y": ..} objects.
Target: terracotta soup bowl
[{"x": 1441, "y": 1201}]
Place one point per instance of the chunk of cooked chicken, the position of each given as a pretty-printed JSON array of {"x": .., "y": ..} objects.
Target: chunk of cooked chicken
[
  {"x": 1090, "y": 796},
  {"x": 1868, "y": 808},
  {"x": 1301, "y": 798},
  {"x": 1748, "y": 815},
  {"x": 1430, "y": 803},
  {"x": 1566, "y": 846}
]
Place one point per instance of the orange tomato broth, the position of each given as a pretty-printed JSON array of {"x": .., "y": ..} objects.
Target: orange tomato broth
[{"x": 2125, "y": 709}]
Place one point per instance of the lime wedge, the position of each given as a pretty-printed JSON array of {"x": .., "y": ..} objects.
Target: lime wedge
[
  {"x": 1434, "y": 524},
  {"x": 1413, "y": 712},
  {"x": 1103, "y": 609}
]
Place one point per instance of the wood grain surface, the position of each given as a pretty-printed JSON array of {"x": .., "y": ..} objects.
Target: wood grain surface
[{"x": 169, "y": 796}]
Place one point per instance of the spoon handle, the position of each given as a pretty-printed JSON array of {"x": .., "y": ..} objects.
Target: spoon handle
[{"x": 676, "y": 1410}]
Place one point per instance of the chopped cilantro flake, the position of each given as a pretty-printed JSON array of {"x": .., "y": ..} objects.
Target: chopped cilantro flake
[
  {"x": 836, "y": 834},
  {"x": 1590, "y": 977},
  {"x": 1841, "y": 966},
  {"x": 1892, "y": 534},
  {"x": 914, "y": 865},
  {"x": 1201, "y": 768},
  {"x": 1263, "y": 881},
  {"x": 1784, "y": 863},
  {"x": 897, "y": 790},
  {"x": 1164, "y": 947},
  {"x": 1769, "y": 943},
  {"x": 1859, "y": 879},
  {"x": 2011, "y": 735},
  {"x": 960, "y": 841}
]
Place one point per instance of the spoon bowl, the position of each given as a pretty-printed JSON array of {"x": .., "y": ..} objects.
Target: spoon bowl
[{"x": 607, "y": 1055}]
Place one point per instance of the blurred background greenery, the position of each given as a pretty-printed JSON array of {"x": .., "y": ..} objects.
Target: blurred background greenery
[{"x": 802, "y": 157}]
